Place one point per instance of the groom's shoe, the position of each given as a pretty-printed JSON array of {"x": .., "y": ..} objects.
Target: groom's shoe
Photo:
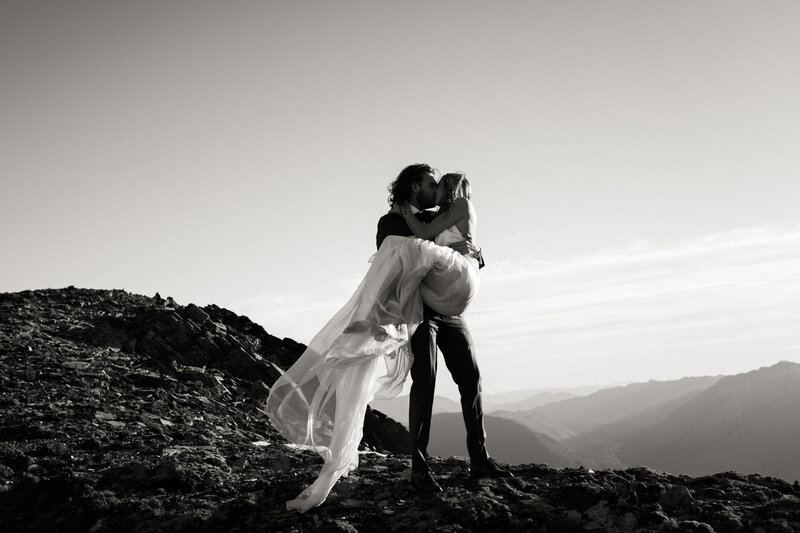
[
  {"x": 424, "y": 482},
  {"x": 488, "y": 468}
]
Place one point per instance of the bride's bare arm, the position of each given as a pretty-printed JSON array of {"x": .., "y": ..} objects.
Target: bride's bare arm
[{"x": 458, "y": 211}]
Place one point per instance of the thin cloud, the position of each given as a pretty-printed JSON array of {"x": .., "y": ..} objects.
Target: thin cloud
[
  {"x": 719, "y": 293},
  {"x": 297, "y": 315},
  {"x": 749, "y": 245}
]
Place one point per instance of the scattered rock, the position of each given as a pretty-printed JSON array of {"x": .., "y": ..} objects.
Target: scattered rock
[
  {"x": 196, "y": 314},
  {"x": 676, "y": 497},
  {"x": 694, "y": 525}
]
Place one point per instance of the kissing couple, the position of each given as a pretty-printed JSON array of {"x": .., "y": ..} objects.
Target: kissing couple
[{"x": 410, "y": 302}]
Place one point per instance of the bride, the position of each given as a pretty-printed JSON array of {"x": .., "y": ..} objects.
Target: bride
[{"x": 362, "y": 353}]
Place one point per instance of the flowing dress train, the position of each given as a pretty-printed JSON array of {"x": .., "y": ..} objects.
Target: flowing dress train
[{"x": 362, "y": 353}]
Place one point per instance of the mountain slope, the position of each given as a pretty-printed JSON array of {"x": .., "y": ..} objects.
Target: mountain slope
[
  {"x": 747, "y": 422},
  {"x": 607, "y": 406},
  {"x": 600, "y": 446},
  {"x": 506, "y": 440},
  {"x": 542, "y": 398},
  {"x": 539, "y": 423},
  {"x": 397, "y": 408}
]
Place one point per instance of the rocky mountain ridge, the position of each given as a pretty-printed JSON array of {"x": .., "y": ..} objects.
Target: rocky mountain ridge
[{"x": 120, "y": 412}]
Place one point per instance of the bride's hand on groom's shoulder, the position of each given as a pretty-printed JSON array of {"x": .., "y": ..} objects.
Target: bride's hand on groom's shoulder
[{"x": 400, "y": 209}]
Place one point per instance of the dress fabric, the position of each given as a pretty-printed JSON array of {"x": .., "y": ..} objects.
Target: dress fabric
[{"x": 362, "y": 353}]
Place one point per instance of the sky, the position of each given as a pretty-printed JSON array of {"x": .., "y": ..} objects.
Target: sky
[{"x": 634, "y": 166}]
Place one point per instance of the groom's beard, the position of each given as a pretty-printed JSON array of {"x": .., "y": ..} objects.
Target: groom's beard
[{"x": 427, "y": 204}]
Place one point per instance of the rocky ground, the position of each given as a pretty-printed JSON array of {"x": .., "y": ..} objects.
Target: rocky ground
[{"x": 120, "y": 412}]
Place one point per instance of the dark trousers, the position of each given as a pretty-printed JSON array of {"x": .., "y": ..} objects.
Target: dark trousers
[{"x": 451, "y": 335}]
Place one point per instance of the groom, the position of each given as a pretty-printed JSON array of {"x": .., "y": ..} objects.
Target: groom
[{"x": 416, "y": 185}]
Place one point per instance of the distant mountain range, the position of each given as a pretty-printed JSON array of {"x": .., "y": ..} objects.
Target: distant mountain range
[
  {"x": 748, "y": 422},
  {"x": 608, "y": 406},
  {"x": 508, "y": 441},
  {"x": 397, "y": 408},
  {"x": 492, "y": 403}
]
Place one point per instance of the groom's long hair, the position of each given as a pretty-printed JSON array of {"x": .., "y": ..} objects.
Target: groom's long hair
[{"x": 400, "y": 188}]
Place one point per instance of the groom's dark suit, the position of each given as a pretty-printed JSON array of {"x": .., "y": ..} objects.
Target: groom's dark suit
[{"x": 451, "y": 335}]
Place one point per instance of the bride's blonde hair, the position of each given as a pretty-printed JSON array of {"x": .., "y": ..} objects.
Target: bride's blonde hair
[{"x": 456, "y": 186}]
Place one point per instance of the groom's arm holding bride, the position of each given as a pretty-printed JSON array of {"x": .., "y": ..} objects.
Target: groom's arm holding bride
[{"x": 468, "y": 247}]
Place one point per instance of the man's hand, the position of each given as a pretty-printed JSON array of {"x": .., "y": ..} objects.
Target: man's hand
[{"x": 466, "y": 247}]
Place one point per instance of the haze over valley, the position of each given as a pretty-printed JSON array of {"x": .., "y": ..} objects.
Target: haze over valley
[{"x": 747, "y": 422}]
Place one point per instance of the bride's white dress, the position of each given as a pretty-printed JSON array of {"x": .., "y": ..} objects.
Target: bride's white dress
[{"x": 362, "y": 352}]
